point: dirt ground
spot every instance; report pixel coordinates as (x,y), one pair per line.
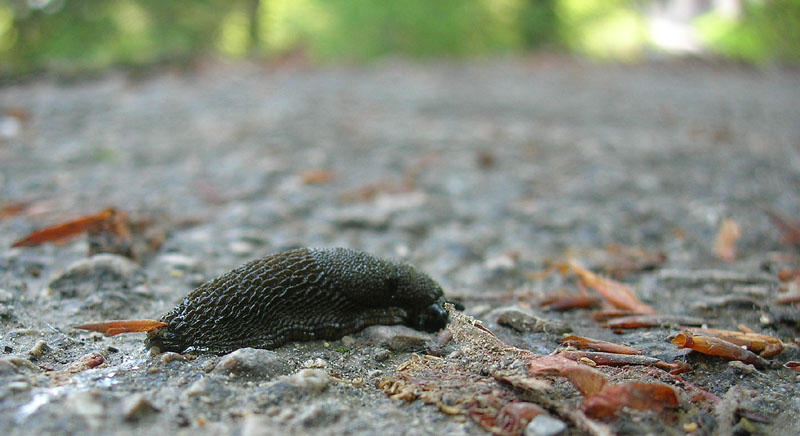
(482,174)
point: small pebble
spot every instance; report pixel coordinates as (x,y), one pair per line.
(39,349)
(525,323)
(383,355)
(88,276)
(397,337)
(545,425)
(136,407)
(169,356)
(310,380)
(315,363)
(10,364)
(252,363)
(259,425)
(743,367)
(18,386)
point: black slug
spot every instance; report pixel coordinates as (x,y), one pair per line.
(300,295)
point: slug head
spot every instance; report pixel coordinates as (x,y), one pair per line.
(165,339)
(413,290)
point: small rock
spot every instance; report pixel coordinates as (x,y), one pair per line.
(252,363)
(100,272)
(743,367)
(170,356)
(545,425)
(382,356)
(18,386)
(39,349)
(179,262)
(88,405)
(310,380)
(525,323)
(320,415)
(137,407)
(397,337)
(315,363)
(260,425)
(9,364)
(5,296)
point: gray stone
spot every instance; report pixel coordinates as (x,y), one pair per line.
(10,364)
(251,363)
(260,425)
(136,407)
(87,276)
(545,425)
(526,323)
(310,380)
(397,337)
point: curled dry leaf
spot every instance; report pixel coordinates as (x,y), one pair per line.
(586,380)
(87,361)
(793,365)
(561,302)
(60,232)
(618,294)
(790,229)
(597,345)
(112,328)
(766,346)
(625,260)
(638,321)
(718,347)
(317,176)
(727,236)
(639,396)
(788,298)
(611,359)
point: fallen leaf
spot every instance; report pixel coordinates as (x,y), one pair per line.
(655,320)
(727,236)
(618,294)
(788,298)
(639,396)
(586,380)
(718,347)
(65,230)
(582,343)
(790,229)
(766,346)
(562,302)
(112,328)
(317,176)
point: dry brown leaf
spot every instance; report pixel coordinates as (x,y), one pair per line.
(766,346)
(640,396)
(718,347)
(60,232)
(618,294)
(317,176)
(790,229)
(727,236)
(112,328)
(597,345)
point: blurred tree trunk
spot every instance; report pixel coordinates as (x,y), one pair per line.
(538,23)
(255,24)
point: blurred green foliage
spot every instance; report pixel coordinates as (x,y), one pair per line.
(85,35)
(768,30)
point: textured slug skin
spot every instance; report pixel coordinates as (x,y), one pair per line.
(300,295)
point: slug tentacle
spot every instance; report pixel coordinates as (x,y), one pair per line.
(300,295)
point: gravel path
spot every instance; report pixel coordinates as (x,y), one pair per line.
(479,173)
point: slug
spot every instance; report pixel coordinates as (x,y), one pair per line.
(298,295)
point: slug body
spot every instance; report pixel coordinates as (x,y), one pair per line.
(300,295)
